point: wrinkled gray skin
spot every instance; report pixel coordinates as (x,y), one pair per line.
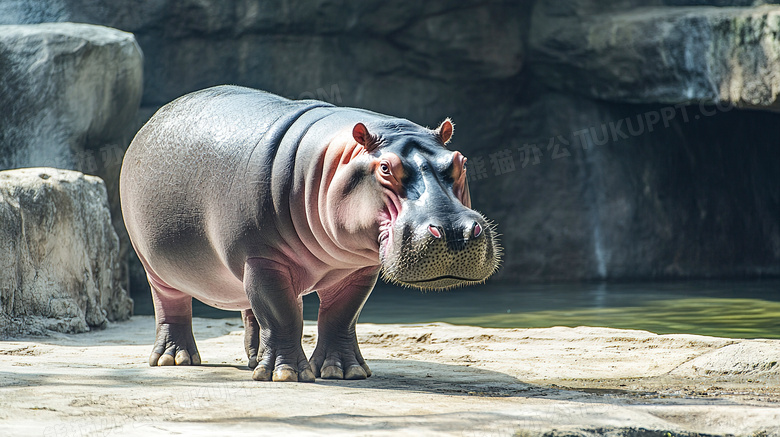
(247,201)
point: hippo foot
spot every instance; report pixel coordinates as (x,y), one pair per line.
(283,367)
(339,360)
(175,345)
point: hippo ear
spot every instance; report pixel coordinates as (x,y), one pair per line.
(444,131)
(361,134)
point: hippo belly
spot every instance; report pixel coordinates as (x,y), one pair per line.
(170,191)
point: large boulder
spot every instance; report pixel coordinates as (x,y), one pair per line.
(59,255)
(69,93)
(661,54)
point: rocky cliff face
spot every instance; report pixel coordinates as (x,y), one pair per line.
(670,174)
(617,139)
(607,190)
(662,54)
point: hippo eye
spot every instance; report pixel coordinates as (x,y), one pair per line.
(384,168)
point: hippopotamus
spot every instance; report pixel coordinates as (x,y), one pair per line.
(247,201)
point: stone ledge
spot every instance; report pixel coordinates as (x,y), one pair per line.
(433,379)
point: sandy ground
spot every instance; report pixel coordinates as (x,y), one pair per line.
(432,379)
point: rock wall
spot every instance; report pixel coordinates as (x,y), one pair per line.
(601,190)
(547,97)
(669,174)
(59,255)
(662,54)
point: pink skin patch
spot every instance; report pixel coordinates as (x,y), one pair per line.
(477,230)
(389,172)
(435,232)
(390,213)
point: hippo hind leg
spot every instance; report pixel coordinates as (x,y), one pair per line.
(174,343)
(337,355)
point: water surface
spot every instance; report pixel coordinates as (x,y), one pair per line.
(737,309)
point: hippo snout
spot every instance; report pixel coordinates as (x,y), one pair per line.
(440,255)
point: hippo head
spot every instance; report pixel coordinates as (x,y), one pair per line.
(429,237)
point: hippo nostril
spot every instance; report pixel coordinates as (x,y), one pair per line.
(434,231)
(476,231)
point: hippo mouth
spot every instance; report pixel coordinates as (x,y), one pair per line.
(444,282)
(444,278)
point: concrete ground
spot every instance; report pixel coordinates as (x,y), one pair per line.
(432,380)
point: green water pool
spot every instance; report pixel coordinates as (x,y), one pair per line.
(736,309)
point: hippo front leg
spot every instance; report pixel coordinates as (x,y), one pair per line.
(278,311)
(337,355)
